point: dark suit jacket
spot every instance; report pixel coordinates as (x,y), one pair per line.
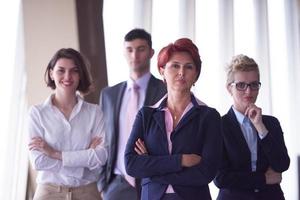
(110,103)
(235,177)
(198,132)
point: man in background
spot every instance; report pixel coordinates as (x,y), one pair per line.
(119,104)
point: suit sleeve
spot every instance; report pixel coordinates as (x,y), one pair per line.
(205,171)
(142,166)
(101,182)
(274,147)
(227,177)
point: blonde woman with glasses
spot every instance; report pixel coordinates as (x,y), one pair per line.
(254,152)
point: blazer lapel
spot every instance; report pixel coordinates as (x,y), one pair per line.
(117,106)
(189,115)
(154,92)
(186,118)
(237,133)
(159,119)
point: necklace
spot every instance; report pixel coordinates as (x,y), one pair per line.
(175,117)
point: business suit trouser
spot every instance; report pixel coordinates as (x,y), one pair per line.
(226,194)
(118,189)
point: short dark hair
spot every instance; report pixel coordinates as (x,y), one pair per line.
(80,62)
(180,45)
(138,33)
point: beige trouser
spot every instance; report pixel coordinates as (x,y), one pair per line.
(51,192)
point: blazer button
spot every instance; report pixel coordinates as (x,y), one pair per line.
(256,190)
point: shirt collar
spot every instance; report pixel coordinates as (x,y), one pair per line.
(239,116)
(48,102)
(142,82)
(162,103)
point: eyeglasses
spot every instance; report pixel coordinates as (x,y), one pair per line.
(242,86)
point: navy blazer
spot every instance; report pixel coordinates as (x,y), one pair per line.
(235,177)
(198,132)
(110,103)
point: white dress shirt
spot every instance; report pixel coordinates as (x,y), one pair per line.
(79,165)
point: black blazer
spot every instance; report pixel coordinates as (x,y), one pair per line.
(110,103)
(235,177)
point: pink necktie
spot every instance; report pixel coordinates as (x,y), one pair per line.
(133,106)
(132,110)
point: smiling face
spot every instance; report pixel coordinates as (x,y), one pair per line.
(179,72)
(65,75)
(242,99)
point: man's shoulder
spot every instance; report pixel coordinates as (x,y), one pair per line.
(155,80)
(158,84)
(115,88)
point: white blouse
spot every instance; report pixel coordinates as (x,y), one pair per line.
(79,165)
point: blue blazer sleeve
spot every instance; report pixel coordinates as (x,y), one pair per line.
(166,169)
(205,171)
(142,166)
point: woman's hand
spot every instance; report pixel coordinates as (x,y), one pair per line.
(255,115)
(190,160)
(95,142)
(140,147)
(272,177)
(38,144)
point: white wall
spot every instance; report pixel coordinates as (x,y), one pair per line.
(49,26)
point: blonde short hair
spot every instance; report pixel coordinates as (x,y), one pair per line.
(240,63)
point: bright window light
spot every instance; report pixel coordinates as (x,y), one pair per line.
(118,20)
(207,34)
(244,29)
(165,12)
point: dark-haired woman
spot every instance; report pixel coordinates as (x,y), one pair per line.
(66,133)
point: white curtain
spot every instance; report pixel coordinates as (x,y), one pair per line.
(13,153)
(267,30)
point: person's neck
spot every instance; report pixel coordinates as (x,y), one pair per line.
(64,102)
(136,75)
(178,101)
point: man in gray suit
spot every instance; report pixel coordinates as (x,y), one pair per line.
(114,183)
